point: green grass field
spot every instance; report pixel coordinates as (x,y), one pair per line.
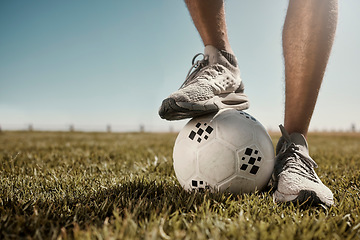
(122,186)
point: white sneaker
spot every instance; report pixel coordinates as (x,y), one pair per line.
(214,84)
(294,176)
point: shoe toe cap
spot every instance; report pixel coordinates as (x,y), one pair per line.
(292,187)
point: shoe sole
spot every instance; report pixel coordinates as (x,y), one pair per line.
(305,197)
(172,110)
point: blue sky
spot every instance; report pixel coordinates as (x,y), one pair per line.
(92,63)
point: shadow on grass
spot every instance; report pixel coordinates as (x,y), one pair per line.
(46,216)
(142,199)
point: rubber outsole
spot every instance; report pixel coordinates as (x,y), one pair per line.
(305,198)
(169,110)
(308,198)
(172,110)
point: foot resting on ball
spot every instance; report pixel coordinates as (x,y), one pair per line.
(295,179)
(213,83)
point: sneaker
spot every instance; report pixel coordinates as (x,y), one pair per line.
(294,177)
(213,83)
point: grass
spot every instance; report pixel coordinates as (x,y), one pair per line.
(57,185)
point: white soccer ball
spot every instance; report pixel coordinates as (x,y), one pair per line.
(227,151)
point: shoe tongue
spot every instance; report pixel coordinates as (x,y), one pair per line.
(300,141)
(213,53)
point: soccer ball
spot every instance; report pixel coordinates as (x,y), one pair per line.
(228,151)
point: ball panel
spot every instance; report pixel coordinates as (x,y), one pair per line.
(198,131)
(199,183)
(267,167)
(248,117)
(216,161)
(250,161)
(264,142)
(184,156)
(237,185)
(266,148)
(235,129)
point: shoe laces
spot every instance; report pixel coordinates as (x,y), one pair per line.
(208,72)
(195,68)
(294,160)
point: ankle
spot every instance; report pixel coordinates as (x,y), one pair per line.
(230,57)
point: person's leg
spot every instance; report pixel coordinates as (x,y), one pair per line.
(214,82)
(209,20)
(308,36)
